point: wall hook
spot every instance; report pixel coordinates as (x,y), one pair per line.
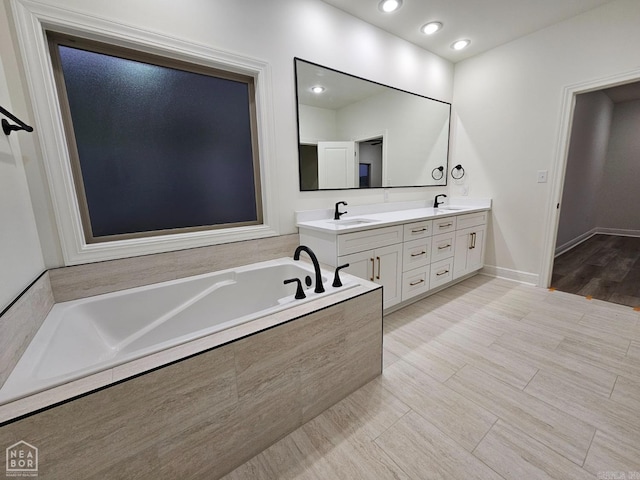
(7,127)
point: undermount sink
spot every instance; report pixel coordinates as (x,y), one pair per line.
(449,209)
(348,222)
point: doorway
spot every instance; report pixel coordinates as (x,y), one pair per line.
(596,249)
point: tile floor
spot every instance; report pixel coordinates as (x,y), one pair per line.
(607,267)
(488,379)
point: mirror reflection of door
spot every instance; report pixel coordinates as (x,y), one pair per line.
(337,165)
(370,155)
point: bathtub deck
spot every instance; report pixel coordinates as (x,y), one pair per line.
(202,416)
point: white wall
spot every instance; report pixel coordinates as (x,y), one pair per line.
(585,166)
(20,256)
(619,195)
(508,104)
(275,31)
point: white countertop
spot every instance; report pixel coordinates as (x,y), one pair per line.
(366,217)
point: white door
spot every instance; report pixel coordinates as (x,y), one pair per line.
(388,273)
(337,165)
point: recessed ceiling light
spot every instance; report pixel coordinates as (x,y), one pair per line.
(460,44)
(388,6)
(317,89)
(431,28)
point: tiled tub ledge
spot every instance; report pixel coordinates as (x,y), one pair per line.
(202,408)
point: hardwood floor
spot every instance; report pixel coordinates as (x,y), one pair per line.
(488,379)
(606,267)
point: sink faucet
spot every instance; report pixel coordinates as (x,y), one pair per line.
(436,202)
(337,214)
(316,266)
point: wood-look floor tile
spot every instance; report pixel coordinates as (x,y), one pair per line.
(506,367)
(610,454)
(388,357)
(607,358)
(603,413)
(554,427)
(424,451)
(624,324)
(634,350)
(627,392)
(570,368)
(422,355)
(515,455)
(463,420)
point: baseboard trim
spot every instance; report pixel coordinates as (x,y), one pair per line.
(509,274)
(594,231)
(565,247)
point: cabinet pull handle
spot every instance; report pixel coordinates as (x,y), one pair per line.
(373,269)
(442,247)
(474,240)
(418,230)
(471,241)
(444,225)
(418,254)
(378,277)
(442,273)
(413,284)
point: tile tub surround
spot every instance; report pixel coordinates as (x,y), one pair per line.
(21,321)
(79,281)
(205,415)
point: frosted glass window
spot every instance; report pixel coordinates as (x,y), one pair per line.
(156,145)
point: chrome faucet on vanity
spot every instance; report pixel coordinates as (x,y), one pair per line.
(316,266)
(436,202)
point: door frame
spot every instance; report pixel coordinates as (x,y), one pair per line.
(559,165)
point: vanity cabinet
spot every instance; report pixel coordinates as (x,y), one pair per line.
(408,259)
(382,266)
(470,244)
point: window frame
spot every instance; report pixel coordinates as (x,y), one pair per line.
(55,39)
(61,228)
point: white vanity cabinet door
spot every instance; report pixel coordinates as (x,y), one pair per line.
(442,246)
(469,250)
(382,266)
(444,225)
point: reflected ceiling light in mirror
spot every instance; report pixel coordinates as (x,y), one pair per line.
(389,6)
(460,44)
(317,89)
(431,28)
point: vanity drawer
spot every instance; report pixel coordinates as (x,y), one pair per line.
(415,282)
(441,273)
(444,225)
(442,246)
(416,253)
(471,220)
(369,239)
(418,230)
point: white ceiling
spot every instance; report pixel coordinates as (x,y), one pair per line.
(487,23)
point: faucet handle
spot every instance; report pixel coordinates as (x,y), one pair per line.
(336,277)
(299,291)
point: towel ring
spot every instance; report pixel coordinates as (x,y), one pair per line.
(457,167)
(438,169)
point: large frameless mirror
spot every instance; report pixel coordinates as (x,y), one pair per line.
(355,133)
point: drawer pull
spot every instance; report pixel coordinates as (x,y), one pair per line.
(413,284)
(418,230)
(444,225)
(442,273)
(373,268)
(378,277)
(442,247)
(418,254)
(472,238)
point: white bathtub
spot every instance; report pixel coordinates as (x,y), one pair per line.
(86,336)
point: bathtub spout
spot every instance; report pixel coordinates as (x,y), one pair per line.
(316,266)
